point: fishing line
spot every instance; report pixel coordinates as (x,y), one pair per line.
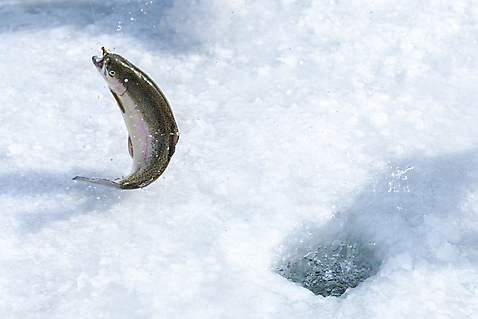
(94,17)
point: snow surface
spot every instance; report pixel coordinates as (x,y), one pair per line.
(302,124)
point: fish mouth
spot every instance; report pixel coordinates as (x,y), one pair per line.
(98,62)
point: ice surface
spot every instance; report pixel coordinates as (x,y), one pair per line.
(303,125)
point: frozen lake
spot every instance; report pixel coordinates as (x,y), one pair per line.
(331,142)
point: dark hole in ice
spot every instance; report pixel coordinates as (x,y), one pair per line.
(330,270)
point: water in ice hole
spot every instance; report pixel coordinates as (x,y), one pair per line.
(331,269)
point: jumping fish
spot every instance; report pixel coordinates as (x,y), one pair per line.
(153,132)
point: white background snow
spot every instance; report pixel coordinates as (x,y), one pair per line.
(301,122)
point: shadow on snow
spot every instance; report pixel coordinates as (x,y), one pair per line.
(413,206)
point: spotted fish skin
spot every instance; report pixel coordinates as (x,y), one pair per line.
(153,132)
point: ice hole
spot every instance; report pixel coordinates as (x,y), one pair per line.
(329,270)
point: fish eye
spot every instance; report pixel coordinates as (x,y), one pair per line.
(112,73)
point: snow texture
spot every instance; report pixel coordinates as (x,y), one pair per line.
(305,126)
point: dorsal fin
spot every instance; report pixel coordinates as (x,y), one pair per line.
(174,141)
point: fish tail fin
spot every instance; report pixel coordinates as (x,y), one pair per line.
(99,181)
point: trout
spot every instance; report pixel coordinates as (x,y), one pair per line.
(152,130)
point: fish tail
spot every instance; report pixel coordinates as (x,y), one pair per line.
(99,181)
